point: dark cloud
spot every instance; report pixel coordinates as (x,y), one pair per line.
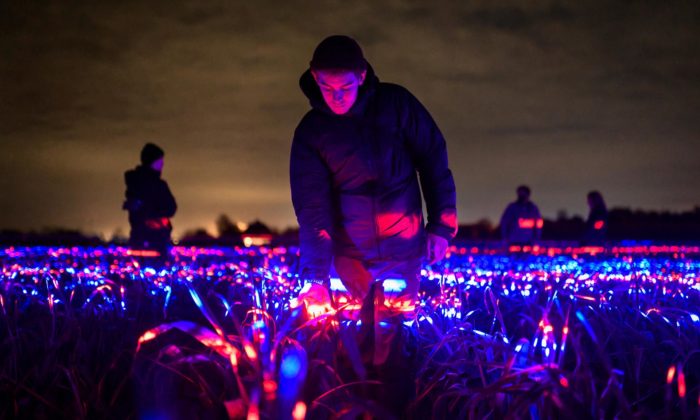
(566,96)
(515,18)
(557,129)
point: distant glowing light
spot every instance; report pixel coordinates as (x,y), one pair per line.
(526,223)
(147,336)
(291,366)
(670,374)
(299,412)
(394,285)
(269,386)
(143,253)
(250,351)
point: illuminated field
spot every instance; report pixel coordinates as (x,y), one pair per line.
(559,331)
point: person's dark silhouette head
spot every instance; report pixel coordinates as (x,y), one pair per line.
(339,68)
(595,200)
(152,156)
(523,193)
(337,53)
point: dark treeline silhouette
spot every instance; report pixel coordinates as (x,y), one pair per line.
(228,234)
(624,224)
(198,237)
(49,237)
(629,224)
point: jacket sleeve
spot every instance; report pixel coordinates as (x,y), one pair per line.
(310,182)
(429,154)
(538,227)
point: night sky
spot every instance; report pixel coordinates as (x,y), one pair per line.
(564,96)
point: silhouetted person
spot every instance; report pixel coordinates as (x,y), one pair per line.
(597,222)
(149,202)
(354,163)
(521,223)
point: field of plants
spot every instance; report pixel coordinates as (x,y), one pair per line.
(217,333)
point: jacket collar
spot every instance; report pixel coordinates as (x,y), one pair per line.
(148,171)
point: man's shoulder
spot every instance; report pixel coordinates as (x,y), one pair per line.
(396,97)
(131,175)
(310,116)
(308,124)
(394,90)
(141,176)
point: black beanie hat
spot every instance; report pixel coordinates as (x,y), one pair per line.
(338,52)
(151,153)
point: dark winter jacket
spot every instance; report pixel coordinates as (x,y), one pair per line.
(596,226)
(151,205)
(521,223)
(354,179)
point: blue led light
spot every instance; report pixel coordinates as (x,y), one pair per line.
(291,366)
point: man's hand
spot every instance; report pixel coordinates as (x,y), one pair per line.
(437,247)
(316,299)
(160,223)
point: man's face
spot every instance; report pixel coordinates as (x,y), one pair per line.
(339,88)
(157,165)
(523,194)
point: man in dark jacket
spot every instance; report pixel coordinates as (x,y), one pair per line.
(597,222)
(521,222)
(355,161)
(149,202)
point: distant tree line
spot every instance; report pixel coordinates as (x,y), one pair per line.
(229,234)
(623,224)
(49,237)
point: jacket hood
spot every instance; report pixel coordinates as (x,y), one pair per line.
(313,93)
